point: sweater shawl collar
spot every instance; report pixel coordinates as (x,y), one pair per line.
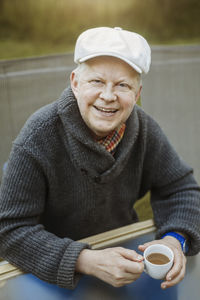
(86,154)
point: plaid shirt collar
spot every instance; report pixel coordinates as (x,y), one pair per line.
(111,141)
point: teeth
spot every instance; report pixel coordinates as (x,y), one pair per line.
(106,109)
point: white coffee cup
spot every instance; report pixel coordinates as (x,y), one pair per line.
(153,269)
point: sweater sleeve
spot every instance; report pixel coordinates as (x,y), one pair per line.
(24,242)
(175,195)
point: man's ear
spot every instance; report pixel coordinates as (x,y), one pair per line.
(74,83)
(138,94)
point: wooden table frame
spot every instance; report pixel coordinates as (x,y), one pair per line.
(99,241)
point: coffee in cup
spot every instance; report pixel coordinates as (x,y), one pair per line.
(158,260)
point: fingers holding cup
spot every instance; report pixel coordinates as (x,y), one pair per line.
(177,272)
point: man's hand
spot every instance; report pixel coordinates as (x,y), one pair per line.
(116,266)
(177,272)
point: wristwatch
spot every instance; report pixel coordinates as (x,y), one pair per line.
(183,241)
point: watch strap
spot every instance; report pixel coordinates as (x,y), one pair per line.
(180,238)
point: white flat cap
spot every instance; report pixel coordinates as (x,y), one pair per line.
(105,41)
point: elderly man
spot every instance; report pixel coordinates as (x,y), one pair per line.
(80,163)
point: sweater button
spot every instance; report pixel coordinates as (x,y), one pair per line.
(84,171)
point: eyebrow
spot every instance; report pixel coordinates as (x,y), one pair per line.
(123,79)
(95,74)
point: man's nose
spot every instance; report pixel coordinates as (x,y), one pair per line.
(108,93)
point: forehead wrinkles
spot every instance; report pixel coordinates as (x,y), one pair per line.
(114,73)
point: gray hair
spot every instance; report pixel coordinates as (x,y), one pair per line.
(79,69)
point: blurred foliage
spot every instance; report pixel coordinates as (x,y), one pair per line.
(56,23)
(167,20)
(143,208)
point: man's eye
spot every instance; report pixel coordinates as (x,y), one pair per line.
(96,81)
(123,85)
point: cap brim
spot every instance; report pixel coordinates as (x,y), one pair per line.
(135,67)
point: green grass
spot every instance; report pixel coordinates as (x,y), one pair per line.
(10,49)
(34,28)
(177,41)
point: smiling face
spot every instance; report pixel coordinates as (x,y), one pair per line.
(106,89)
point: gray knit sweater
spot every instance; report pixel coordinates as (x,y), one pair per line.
(61,186)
